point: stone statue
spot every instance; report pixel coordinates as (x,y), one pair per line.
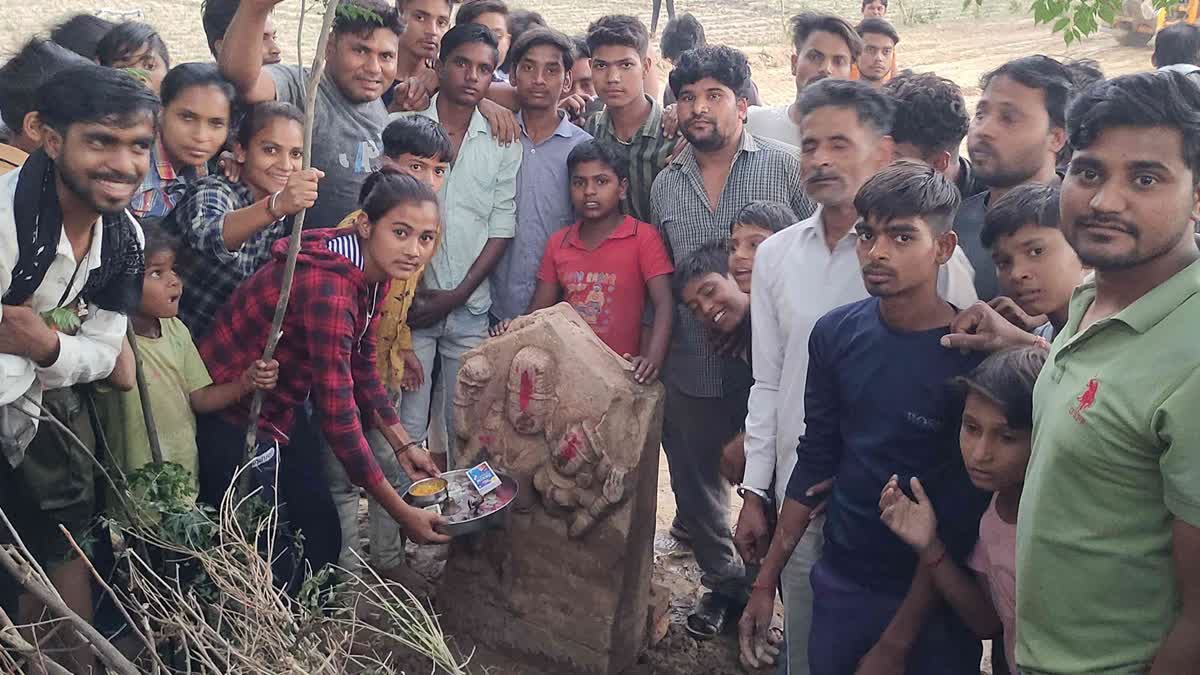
(473,377)
(555,409)
(580,483)
(532,380)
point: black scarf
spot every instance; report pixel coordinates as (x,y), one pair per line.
(115,286)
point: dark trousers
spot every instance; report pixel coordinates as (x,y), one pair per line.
(694,431)
(306,507)
(848,619)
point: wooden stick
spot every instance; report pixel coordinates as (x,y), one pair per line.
(51,600)
(12,639)
(289,270)
(144,396)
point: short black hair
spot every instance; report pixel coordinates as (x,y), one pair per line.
(187,75)
(1143,100)
(158,238)
(597,151)
(682,33)
(875,109)
(261,114)
(930,112)
(879,27)
(1175,44)
(1007,378)
(1026,204)
(351,18)
(128,38)
(908,189)
(20,78)
(416,135)
(543,36)
(520,21)
(1083,73)
(90,93)
(769,215)
(1050,76)
(621,30)
(711,258)
(467,33)
(867,2)
(471,10)
(582,50)
(384,190)
(81,33)
(724,64)
(805,24)
(216,15)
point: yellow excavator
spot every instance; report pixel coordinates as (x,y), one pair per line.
(1139,21)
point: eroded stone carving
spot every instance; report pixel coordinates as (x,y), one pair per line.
(532,381)
(580,482)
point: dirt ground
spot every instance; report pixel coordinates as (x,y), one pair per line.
(959,48)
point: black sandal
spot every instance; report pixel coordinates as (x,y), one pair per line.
(707,620)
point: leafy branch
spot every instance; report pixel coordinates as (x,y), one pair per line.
(1076,19)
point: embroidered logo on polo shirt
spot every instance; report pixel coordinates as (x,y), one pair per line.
(1085,400)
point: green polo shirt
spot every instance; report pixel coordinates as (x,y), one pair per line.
(1116,457)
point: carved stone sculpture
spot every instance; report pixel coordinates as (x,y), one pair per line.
(579,483)
(568,581)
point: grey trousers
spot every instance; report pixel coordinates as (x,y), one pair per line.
(383,533)
(694,431)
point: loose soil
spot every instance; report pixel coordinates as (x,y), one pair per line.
(961,49)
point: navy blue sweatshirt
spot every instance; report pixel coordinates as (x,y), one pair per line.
(879,402)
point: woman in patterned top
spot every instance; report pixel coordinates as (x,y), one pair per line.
(228,227)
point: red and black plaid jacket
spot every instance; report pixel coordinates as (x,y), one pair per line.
(327,350)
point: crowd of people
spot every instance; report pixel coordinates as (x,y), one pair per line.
(952,390)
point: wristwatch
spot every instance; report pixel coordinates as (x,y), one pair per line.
(743,489)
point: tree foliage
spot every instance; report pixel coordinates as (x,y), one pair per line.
(1076,19)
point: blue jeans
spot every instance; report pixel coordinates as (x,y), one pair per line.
(428,413)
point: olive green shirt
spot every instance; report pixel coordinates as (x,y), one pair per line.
(1116,458)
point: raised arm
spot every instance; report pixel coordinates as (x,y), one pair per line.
(241,53)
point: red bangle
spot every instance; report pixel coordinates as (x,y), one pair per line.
(940,558)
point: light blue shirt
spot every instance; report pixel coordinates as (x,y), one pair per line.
(478,203)
(543,207)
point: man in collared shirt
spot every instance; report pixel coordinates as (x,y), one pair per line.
(541,60)
(694,201)
(631,119)
(449,315)
(799,275)
(1108,535)
(826,47)
(97,128)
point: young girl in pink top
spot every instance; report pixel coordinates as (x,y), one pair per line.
(997,423)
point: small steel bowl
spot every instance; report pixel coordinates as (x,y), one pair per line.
(421,501)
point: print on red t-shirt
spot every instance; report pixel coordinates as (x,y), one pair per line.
(607,285)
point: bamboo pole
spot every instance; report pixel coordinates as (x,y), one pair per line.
(144,396)
(289,270)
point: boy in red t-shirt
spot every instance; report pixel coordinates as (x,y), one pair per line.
(605,263)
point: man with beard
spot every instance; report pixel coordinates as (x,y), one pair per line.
(826,46)
(1015,137)
(67,247)
(350,116)
(876,404)
(693,201)
(877,63)
(1115,425)
(799,275)
(449,314)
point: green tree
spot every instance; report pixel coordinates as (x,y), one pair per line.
(1076,19)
